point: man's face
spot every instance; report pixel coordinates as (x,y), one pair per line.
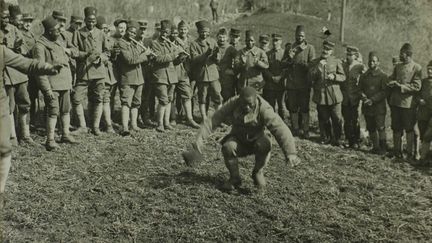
(204,33)
(17,21)
(277,44)
(250,42)
(90,22)
(183,31)
(350,57)
(300,37)
(174,34)
(4,19)
(222,39)
(105,29)
(121,28)
(54,33)
(373,63)
(141,33)
(131,33)
(404,57)
(235,39)
(62,24)
(27,24)
(248,104)
(264,45)
(326,53)
(76,25)
(429,72)
(165,33)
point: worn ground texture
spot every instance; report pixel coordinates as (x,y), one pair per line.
(137,189)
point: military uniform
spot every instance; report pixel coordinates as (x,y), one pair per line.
(248,136)
(327,95)
(226,57)
(407,76)
(274,88)
(351,101)
(56,88)
(298,85)
(250,64)
(91,71)
(372,85)
(424,112)
(206,71)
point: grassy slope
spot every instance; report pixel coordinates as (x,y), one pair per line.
(115,189)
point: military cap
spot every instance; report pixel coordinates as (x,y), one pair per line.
(100,21)
(27,16)
(299,29)
(143,24)
(248,34)
(157,25)
(182,24)
(49,23)
(202,24)
(14,10)
(59,15)
(223,31)
(88,11)
(429,64)
(76,19)
(276,36)
(352,50)
(119,21)
(373,54)
(133,24)
(325,31)
(407,48)
(328,45)
(235,32)
(165,24)
(174,29)
(264,38)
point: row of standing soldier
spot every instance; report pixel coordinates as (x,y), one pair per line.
(170,65)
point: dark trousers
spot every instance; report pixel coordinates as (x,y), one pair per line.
(147,108)
(330,121)
(215,15)
(274,97)
(351,123)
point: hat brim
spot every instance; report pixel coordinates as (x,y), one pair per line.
(60,17)
(28,19)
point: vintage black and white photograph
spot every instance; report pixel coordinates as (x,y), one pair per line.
(215,121)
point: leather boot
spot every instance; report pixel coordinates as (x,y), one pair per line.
(51,144)
(125,112)
(97,115)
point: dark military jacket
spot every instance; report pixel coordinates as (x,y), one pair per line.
(249,127)
(408,75)
(250,64)
(29,42)
(53,53)
(298,66)
(205,67)
(129,63)
(226,57)
(373,85)
(91,65)
(424,111)
(325,91)
(14,40)
(163,69)
(273,79)
(183,68)
(350,88)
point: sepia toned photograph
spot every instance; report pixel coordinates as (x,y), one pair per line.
(215,121)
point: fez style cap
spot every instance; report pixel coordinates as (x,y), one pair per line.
(165,24)
(202,24)
(89,11)
(299,29)
(49,23)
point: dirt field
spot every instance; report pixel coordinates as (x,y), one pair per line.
(136,189)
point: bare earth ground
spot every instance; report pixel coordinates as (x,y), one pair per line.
(136,189)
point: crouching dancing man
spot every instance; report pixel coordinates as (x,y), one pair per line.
(249,115)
